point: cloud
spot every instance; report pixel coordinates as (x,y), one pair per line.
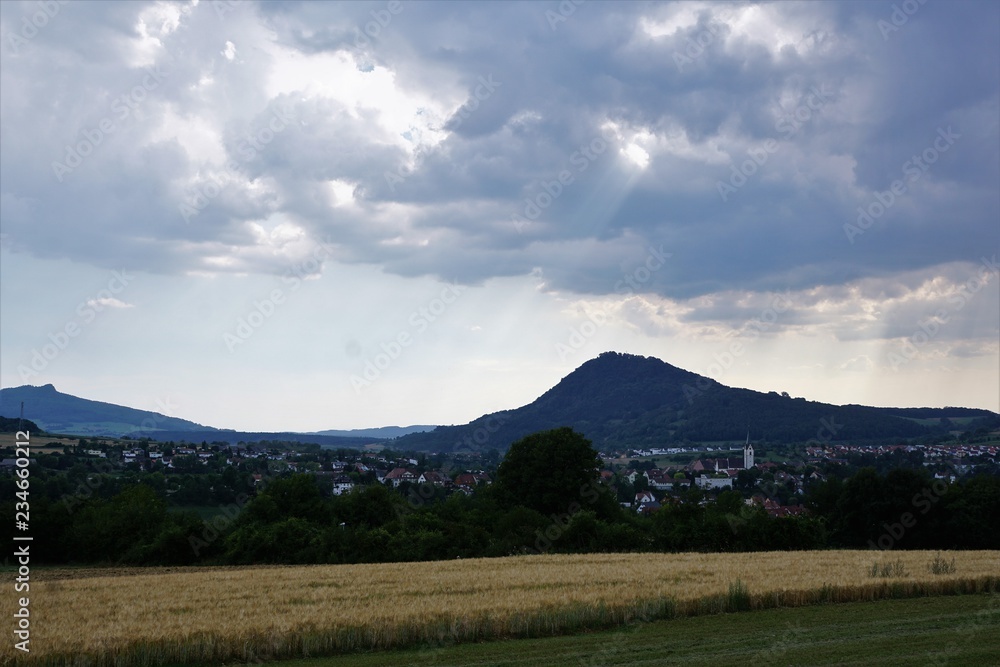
(414,144)
(108,302)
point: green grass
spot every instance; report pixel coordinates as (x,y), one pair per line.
(949,630)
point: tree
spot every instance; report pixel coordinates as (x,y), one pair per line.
(549,472)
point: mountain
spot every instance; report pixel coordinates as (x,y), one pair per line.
(623,400)
(56,412)
(62,413)
(616,400)
(383,432)
(233,437)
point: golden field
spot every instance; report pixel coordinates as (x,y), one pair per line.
(148,617)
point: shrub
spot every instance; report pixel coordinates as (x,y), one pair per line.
(888,569)
(941,566)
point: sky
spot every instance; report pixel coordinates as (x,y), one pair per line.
(305,216)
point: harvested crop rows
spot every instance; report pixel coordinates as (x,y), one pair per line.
(246,614)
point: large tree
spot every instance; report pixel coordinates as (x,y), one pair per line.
(551,472)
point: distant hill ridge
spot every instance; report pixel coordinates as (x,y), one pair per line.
(63,413)
(616,400)
(625,400)
(380,432)
(56,412)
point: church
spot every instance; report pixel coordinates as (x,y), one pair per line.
(748,454)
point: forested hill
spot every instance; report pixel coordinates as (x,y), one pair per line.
(57,412)
(628,400)
(11,424)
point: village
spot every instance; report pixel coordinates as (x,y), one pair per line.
(644,479)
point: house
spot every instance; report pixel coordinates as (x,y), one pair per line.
(649,508)
(659,479)
(434,477)
(342,484)
(644,497)
(782,511)
(471,480)
(645,503)
(725,464)
(397,476)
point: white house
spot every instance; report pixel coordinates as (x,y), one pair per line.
(342,484)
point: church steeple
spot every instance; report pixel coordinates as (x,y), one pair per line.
(748,453)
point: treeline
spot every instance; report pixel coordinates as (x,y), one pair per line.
(907,509)
(294,520)
(11,424)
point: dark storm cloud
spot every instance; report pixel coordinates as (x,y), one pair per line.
(834,116)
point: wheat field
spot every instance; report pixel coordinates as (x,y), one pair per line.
(153,617)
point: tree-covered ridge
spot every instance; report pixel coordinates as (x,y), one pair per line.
(623,400)
(616,400)
(11,424)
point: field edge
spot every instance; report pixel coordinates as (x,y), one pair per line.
(450,629)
